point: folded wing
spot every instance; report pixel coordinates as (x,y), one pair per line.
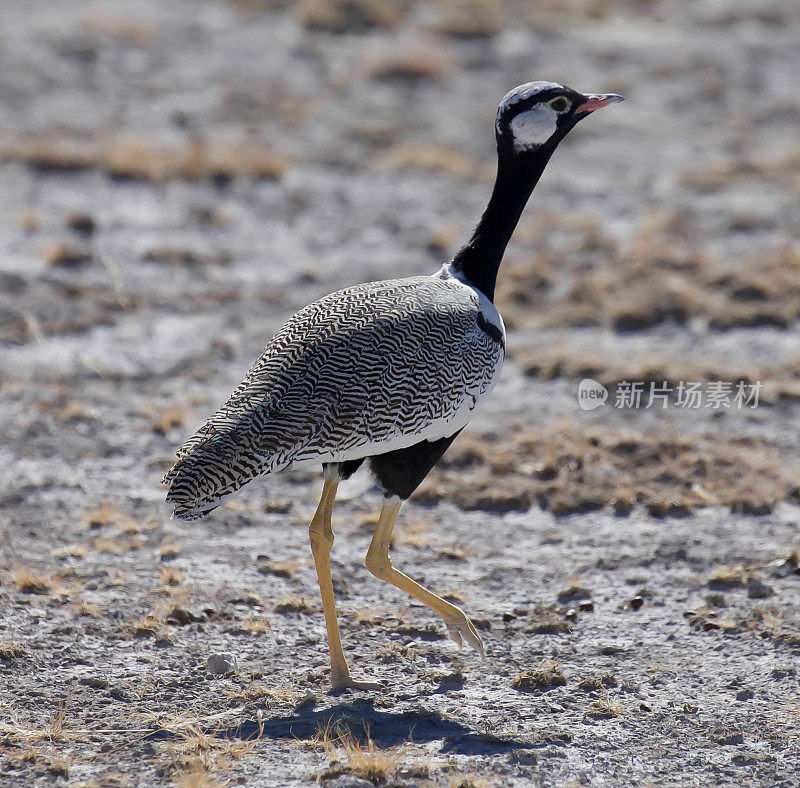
(363,371)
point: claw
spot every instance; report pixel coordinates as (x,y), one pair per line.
(459,628)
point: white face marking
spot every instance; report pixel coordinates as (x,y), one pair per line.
(533,128)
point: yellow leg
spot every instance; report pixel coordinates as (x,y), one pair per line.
(379,563)
(321,536)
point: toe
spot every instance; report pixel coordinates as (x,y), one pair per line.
(460,628)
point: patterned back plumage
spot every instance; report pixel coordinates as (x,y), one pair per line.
(356,373)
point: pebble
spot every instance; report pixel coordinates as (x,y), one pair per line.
(222,663)
(758,590)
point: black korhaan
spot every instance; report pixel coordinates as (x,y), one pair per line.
(388,372)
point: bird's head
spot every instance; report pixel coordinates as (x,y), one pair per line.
(538,115)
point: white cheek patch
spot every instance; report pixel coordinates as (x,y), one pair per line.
(533,128)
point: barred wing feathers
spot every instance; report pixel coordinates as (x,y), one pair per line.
(366,370)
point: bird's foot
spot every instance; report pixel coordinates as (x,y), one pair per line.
(460,628)
(341,682)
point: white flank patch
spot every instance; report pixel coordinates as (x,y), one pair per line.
(534,127)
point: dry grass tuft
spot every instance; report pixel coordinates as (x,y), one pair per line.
(148,160)
(286,569)
(11,652)
(296,604)
(255,625)
(19,734)
(198,759)
(597,683)
(162,420)
(172,575)
(545,675)
(664,275)
(604,708)
(570,468)
(29,581)
(104,514)
(350,756)
(89,609)
(70,551)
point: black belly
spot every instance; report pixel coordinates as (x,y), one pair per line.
(400,472)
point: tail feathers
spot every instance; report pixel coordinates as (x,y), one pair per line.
(195,489)
(200,480)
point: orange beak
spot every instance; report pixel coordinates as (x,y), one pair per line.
(598,101)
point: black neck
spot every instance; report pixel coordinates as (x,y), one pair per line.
(517,175)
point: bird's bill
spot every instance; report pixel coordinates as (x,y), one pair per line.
(598,101)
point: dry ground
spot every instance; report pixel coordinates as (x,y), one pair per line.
(179,177)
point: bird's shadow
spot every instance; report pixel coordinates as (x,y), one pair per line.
(384,728)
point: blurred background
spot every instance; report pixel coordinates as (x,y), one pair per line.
(179,177)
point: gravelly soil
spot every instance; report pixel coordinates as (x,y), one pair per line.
(179,177)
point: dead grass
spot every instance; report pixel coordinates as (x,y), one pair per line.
(11,652)
(105,513)
(29,581)
(162,420)
(597,683)
(570,468)
(16,732)
(89,609)
(605,708)
(349,755)
(172,575)
(70,551)
(255,625)
(296,604)
(546,675)
(149,160)
(199,759)
(663,275)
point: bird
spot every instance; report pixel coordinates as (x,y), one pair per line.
(385,372)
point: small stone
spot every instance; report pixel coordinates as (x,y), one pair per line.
(744,694)
(222,663)
(586,607)
(636,603)
(758,590)
(95,682)
(574,594)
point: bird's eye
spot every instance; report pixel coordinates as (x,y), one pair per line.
(559,104)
